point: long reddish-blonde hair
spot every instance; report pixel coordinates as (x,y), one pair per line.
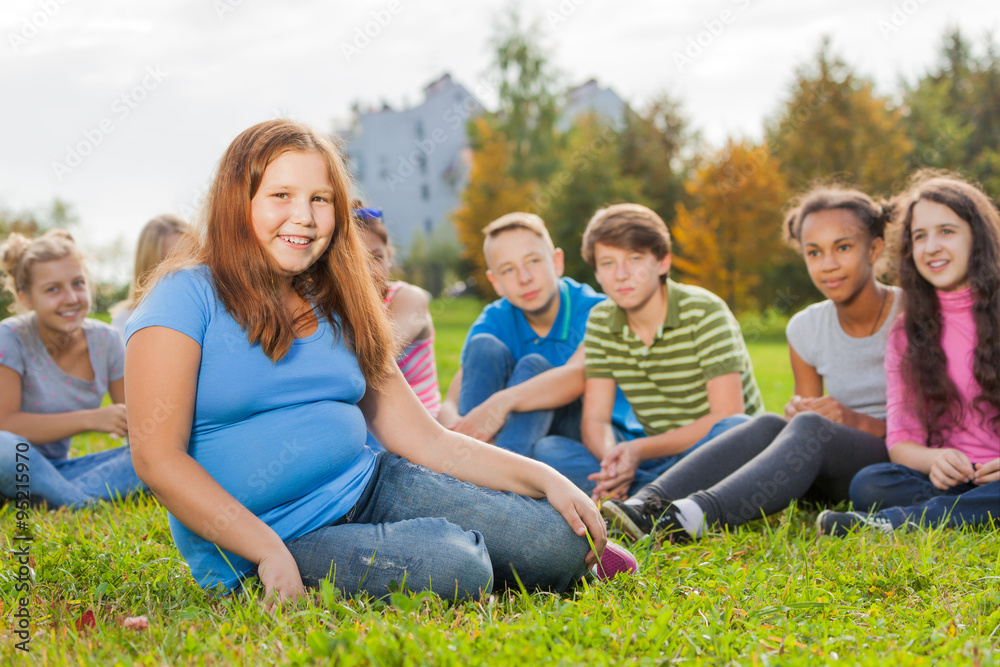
(338,284)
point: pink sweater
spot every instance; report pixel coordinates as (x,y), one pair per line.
(972,435)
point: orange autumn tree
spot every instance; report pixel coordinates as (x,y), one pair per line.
(489,193)
(729,240)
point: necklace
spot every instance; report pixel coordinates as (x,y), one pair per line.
(885,294)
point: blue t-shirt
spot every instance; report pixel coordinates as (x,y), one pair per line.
(508,323)
(286,439)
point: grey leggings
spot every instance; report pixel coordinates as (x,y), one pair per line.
(759,467)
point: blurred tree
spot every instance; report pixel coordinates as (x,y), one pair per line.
(731,232)
(433,262)
(489,193)
(528,106)
(652,148)
(590,177)
(834,124)
(952,113)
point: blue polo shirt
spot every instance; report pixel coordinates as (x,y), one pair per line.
(508,324)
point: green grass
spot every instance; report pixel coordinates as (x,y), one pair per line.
(770,593)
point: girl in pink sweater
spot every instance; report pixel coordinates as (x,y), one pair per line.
(942,369)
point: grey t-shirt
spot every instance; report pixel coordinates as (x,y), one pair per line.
(46,388)
(852,368)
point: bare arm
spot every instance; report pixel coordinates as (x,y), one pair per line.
(45,428)
(551,389)
(946,467)
(411,315)
(618,467)
(400,423)
(809,398)
(448,414)
(598,407)
(161,369)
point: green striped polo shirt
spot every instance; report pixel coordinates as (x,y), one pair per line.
(666,382)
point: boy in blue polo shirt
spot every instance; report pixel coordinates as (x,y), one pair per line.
(522,366)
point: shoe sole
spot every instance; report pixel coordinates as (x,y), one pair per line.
(621,521)
(616,560)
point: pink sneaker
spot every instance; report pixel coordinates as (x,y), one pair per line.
(615,560)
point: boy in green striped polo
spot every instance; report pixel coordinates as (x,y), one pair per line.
(675,350)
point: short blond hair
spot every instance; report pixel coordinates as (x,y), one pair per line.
(19,253)
(517,220)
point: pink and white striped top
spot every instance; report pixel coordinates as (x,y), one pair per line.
(418,364)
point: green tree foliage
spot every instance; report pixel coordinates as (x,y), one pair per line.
(489,193)
(433,262)
(833,124)
(589,177)
(952,114)
(652,149)
(731,232)
(528,106)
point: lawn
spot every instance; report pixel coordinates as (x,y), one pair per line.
(770,593)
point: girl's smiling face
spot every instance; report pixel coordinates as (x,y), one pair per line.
(292,211)
(59,295)
(838,252)
(942,245)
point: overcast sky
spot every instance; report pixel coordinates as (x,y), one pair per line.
(154,91)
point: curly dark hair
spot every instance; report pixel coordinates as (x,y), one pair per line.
(872,215)
(925,365)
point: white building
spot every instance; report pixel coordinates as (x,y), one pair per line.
(413,163)
(590,98)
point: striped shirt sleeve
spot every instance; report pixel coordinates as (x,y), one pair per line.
(597,364)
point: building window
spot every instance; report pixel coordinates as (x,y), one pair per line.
(420,129)
(422,163)
(425,192)
(428,225)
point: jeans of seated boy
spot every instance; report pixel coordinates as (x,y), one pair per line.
(576,462)
(72,482)
(489,367)
(904,494)
(437,533)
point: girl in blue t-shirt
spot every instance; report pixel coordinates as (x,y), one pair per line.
(257,364)
(55,367)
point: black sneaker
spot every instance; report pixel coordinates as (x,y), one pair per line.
(841,524)
(656,515)
(666,522)
(629,519)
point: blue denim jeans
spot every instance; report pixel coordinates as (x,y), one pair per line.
(905,494)
(489,367)
(71,483)
(576,462)
(429,531)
